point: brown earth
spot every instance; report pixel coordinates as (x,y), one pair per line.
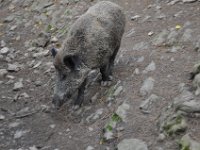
(66,130)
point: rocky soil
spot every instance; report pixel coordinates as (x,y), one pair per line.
(152,104)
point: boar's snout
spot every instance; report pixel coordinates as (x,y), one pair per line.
(58,101)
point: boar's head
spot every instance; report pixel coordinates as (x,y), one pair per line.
(70,75)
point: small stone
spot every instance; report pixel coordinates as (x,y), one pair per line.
(24,95)
(137,71)
(37,65)
(3,43)
(141,46)
(33,148)
(54,39)
(147,86)
(150,67)
(187,35)
(140,59)
(161,137)
(135,17)
(150,33)
(187,142)
(122,111)
(38,83)
(9,19)
(189,1)
(132,144)
(19,133)
(41,54)
(52,126)
(3,73)
(161,38)
(18,86)
(4,51)
(108,135)
(14,124)
(118,91)
(90,129)
(148,102)
(2,117)
(13,68)
(89,148)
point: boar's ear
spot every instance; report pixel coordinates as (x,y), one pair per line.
(53,52)
(72,61)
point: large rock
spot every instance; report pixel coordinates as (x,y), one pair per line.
(187,143)
(132,144)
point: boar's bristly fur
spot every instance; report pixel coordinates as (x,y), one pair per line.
(92,43)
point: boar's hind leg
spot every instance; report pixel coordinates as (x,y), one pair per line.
(80,97)
(107,69)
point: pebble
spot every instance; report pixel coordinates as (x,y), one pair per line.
(132,144)
(2,117)
(3,73)
(19,133)
(147,86)
(89,148)
(18,86)
(118,91)
(13,68)
(4,51)
(122,111)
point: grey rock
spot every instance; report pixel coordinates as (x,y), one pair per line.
(161,38)
(108,135)
(9,19)
(174,49)
(147,86)
(137,71)
(118,91)
(19,133)
(37,64)
(2,117)
(172,38)
(161,137)
(197,44)
(95,115)
(183,97)
(130,33)
(4,51)
(132,144)
(145,105)
(187,142)
(13,67)
(140,59)
(196,84)
(192,106)
(173,2)
(18,86)
(3,43)
(141,46)
(122,111)
(41,54)
(187,35)
(38,83)
(3,73)
(89,148)
(136,17)
(150,67)
(189,1)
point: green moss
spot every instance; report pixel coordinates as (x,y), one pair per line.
(175,125)
(109,127)
(116,118)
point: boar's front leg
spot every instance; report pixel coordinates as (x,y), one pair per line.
(80,97)
(107,69)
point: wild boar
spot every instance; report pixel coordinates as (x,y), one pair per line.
(92,43)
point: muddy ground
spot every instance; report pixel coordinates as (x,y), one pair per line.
(27,75)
